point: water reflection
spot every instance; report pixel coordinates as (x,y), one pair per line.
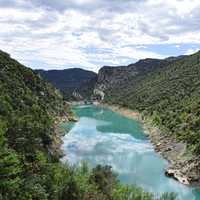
(104,137)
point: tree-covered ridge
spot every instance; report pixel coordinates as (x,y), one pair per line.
(170,96)
(71,80)
(28,106)
(28,168)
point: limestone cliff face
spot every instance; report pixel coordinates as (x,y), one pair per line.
(77,96)
(99,93)
(115,77)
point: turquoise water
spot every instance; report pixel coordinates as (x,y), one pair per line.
(104,137)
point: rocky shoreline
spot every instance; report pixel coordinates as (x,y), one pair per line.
(55,148)
(183,166)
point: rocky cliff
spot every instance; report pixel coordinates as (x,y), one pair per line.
(110,77)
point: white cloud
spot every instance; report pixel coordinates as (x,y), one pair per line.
(191,51)
(136,53)
(76,33)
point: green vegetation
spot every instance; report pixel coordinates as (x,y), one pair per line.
(71,80)
(29,170)
(28,106)
(170,96)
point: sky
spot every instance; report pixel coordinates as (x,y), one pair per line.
(60,34)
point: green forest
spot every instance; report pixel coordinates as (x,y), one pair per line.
(169,96)
(29,168)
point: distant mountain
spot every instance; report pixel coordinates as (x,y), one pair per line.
(73,83)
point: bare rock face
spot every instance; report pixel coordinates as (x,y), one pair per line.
(177,175)
(100,93)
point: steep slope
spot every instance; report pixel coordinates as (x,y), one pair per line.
(28,106)
(71,80)
(170,97)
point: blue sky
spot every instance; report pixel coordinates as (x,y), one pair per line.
(59,34)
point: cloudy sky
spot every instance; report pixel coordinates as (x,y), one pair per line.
(57,34)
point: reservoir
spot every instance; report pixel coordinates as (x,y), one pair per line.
(102,136)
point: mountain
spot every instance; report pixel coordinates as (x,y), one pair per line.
(168,94)
(122,76)
(71,82)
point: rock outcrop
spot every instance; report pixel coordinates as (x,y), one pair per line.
(177,175)
(183,167)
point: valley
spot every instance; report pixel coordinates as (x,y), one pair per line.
(165,93)
(161,98)
(31,114)
(99,100)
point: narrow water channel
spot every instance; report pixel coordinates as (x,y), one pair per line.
(105,137)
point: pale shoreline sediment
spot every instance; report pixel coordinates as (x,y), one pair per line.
(182,166)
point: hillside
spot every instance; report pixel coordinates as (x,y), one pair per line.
(170,97)
(28,106)
(117,77)
(71,80)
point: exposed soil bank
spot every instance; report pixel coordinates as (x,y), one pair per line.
(183,167)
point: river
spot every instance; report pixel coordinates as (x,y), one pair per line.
(105,137)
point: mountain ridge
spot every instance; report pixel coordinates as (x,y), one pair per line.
(111,77)
(69,81)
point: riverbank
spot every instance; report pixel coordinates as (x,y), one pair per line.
(55,148)
(183,166)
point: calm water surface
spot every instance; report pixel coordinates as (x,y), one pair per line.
(104,137)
